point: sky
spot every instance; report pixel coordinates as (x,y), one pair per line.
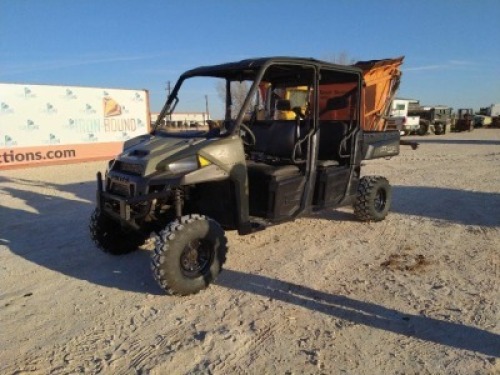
(451,47)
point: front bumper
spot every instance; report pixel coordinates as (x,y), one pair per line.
(124,208)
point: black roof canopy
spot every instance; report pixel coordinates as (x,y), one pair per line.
(248,69)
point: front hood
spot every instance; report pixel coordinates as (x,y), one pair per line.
(149,150)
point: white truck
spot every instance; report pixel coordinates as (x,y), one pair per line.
(53,124)
(493,110)
(399,120)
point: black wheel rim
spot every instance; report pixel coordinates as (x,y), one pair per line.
(380,200)
(196,258)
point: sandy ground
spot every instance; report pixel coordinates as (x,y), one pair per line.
(415,294)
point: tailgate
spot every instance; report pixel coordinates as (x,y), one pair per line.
(378,144)
(394,123)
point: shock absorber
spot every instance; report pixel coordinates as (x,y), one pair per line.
(178,195)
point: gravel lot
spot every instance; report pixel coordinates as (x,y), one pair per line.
(415,294)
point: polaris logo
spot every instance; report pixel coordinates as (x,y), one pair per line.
(388,150)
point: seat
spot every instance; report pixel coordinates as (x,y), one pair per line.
(275,181)
(273,149)
(327,163)
(331,136)
(275,171)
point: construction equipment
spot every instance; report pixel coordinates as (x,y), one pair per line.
(464,120)
(433,118)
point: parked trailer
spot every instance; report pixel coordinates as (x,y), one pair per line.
(51,124)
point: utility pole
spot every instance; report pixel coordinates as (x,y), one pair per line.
(206,109)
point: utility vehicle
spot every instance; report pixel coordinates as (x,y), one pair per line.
(251,172)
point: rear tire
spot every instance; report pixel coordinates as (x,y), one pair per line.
(373,199)
(189,254)
(110,237)
(423,128)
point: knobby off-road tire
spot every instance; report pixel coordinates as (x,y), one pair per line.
(373,199)
(189,254)
(439,129)
(109,236)
(423,128)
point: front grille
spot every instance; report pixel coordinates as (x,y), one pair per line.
(121,188)
(135,169)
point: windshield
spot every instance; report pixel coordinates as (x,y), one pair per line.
(211,101)
(200,107)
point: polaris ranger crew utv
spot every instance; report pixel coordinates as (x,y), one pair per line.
(255,170)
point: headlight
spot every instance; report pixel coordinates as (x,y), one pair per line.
(187,164)
(183,165)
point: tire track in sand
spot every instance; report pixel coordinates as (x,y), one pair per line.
(129,343)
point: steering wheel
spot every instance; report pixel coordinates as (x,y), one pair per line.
(298,112)
(247,135)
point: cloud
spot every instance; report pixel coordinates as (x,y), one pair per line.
(425,67)
(71,62)
(449,65)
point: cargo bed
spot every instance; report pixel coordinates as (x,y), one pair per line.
(380,144)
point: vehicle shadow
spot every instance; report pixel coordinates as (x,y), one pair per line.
(51,230)
(483,209)
(421,327)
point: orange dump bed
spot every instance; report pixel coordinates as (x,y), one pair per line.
(382,79)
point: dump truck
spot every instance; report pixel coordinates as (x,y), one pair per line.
(188,188)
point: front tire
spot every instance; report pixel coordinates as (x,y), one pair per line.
(110,237)
(439,129)
(373,199)
(189,254)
